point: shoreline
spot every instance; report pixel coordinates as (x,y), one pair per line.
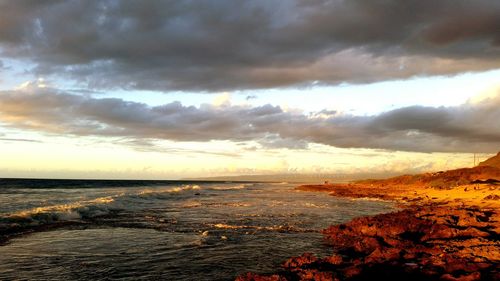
(439,234)
(484,195)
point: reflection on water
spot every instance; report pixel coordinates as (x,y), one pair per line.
(182,232)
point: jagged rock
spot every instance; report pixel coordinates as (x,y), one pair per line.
(335,260)
(296,263)
(470,277)
(418,243)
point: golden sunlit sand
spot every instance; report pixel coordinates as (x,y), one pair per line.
(484,196)
(478,186)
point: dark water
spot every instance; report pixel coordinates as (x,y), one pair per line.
(90,230)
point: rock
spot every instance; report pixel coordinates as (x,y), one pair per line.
(315,275)
(335,260)
(296,263)
(492,197)
(418,243)
(492,162)
(470,277)
(352,271)
(384,254)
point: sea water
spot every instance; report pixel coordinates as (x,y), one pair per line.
(163,230)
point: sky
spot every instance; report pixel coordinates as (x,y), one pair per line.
(178,89)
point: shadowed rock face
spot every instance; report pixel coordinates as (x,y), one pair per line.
(418,243)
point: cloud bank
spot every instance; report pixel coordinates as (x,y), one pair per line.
(471,127)
(235,45)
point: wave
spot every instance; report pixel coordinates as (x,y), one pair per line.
(369,199)
(278,228)
(196,204)
(163,193)
(86,209)
(185,187)
(62,212)
(229,204)
(191,204)
(234,187)
(169,190)
(313,205)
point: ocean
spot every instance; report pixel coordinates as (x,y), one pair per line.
(161,230)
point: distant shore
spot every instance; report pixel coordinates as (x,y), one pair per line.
(448,229)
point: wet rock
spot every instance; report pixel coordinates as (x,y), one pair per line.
(316,275)
(383,254)
(334,260)
(470,277)
(296,263)
(351,271)
(419,243)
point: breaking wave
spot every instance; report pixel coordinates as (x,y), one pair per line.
(77,211)
(69,211)
(233,187)
(163,193)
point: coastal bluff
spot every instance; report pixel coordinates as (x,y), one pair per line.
(492,162)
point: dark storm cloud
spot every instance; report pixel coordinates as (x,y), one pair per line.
(231,45)
(472,127)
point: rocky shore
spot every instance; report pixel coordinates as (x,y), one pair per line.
(448,229)
(433,242)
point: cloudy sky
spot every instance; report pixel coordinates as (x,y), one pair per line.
(172,89)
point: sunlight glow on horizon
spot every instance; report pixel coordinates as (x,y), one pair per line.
(35,154)
(74,160)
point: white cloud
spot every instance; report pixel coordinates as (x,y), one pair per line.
(471,127)
(223,99)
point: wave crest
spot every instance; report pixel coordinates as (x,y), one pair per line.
(233,187)
(63,212)
(86,209)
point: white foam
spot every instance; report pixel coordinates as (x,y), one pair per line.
(65,212)
(267,228)
(312,205)
(160,193)
(234,187)
(89,208)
